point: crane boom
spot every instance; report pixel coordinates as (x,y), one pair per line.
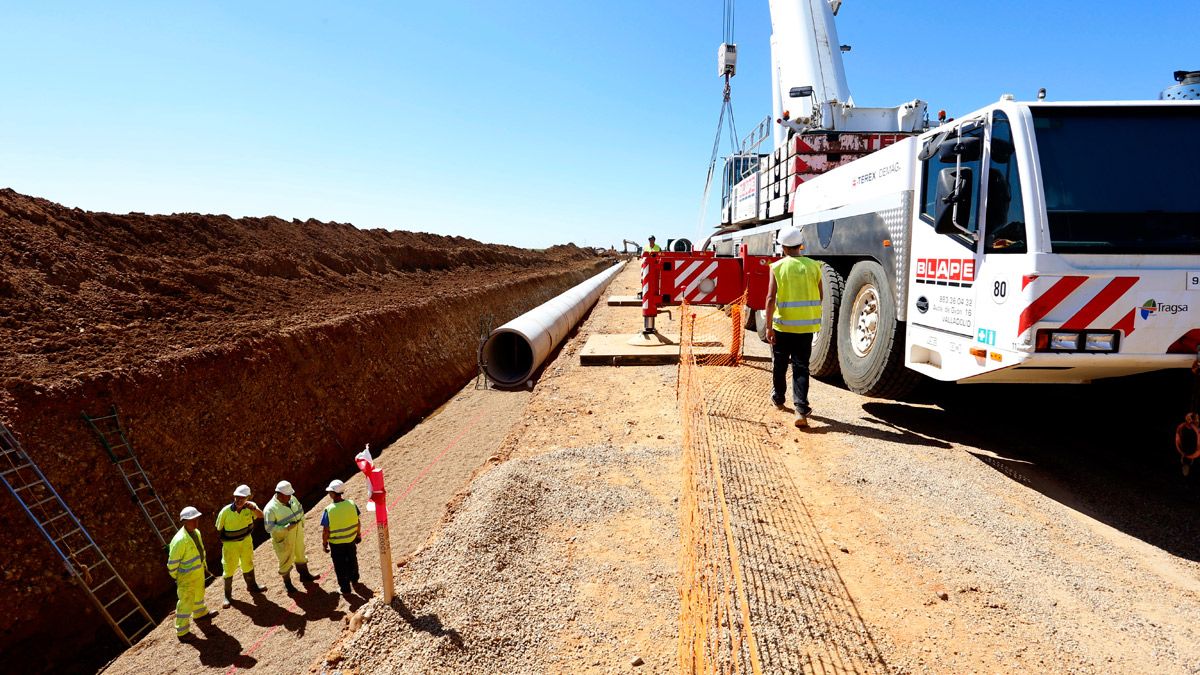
(809,78)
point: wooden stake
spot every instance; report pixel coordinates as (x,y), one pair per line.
(385,564)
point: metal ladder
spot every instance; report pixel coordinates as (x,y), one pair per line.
(85,562)
(112,436)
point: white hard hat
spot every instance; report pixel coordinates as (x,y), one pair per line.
(336,486)
(189,513)
(791,236)
(242,491)
(285,488)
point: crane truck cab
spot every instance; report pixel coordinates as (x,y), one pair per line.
(1024,242)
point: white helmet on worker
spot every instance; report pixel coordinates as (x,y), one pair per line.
(241,491)
(285,488)
(189,512)
(336,485)
(791,236)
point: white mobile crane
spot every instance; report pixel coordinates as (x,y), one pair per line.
(1022,242)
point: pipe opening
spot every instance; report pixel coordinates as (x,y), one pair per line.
(508,358)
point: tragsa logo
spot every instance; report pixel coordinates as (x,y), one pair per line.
(1150,308)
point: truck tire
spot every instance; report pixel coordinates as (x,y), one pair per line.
(870,339)
(761,323)
(824,359)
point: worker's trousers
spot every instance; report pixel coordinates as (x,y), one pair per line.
(345,564)
(189,589)
(289,547)
(794,348)
(235,554)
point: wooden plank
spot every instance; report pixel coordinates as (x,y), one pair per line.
(624,301)
(616,350)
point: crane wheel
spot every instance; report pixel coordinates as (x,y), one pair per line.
(823,362)
(870,339)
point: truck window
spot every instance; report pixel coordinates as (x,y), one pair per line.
(929,180)
(1004,219)
(1121,179)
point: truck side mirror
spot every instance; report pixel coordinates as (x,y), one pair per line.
(953,204)
(966,148)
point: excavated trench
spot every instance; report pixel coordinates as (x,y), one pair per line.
(286,399)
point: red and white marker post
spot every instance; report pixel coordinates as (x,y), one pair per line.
(378,497)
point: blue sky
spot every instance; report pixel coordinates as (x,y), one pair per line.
(519,122)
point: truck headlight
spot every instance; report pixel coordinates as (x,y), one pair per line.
(1101,342)
(1064,341)
(1088,341)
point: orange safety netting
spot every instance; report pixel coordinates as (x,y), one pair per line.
(760,591)
(715,632)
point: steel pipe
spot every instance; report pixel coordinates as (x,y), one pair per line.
(514,351)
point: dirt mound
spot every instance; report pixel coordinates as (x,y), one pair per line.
(238,350)
(83,292)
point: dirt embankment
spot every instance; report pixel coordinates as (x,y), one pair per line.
(237,350)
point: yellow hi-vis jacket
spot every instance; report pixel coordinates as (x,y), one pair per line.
(234,525)
(343,522)
(797,295)
(183,557)
(277,516)
(654,248)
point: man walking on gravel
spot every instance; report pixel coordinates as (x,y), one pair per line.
(284,520)
(186,565)
(234,524)
(340,537)
(794,305)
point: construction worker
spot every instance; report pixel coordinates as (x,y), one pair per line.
(340,535)
(794,304)
(652,247)
(186,564)
(234,523)
(284,520)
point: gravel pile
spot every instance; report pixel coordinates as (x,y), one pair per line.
(499,589)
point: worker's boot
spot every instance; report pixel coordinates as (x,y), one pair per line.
(251,584)
(287,583)
(305,576)
(228,593)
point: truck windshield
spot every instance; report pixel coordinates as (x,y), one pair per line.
(1121,180)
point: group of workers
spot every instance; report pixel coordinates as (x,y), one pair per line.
(794,298)
(283,519)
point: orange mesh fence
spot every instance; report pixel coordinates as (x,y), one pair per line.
(759,588)
(715,633)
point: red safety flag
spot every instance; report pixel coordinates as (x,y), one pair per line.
(364,460)
(376,492)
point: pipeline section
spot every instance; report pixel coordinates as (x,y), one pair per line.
(514,351)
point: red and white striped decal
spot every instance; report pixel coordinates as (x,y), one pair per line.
(1099,304)
(1058,292)
(645,284)
(692,274)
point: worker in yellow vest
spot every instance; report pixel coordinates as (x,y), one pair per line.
(284,519)
(340,535)
(794,304)
(186,565)
(234,524)
(652,247)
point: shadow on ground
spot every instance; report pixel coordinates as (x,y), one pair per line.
(1104,449)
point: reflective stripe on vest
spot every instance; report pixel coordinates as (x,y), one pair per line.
(797,295)
(343,522)
(183,556)
(229,520)
(293,511)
